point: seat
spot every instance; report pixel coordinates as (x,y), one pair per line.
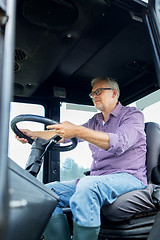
(133,214)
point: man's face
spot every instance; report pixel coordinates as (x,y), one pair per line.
(107,99)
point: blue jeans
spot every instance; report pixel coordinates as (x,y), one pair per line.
(91,193)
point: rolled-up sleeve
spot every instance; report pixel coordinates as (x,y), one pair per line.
(127,134)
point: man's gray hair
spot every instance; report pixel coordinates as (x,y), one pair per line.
(110,81)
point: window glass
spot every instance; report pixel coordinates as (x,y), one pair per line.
(150,106)
(150,113)
(19,152)
(75,162)
(157,7)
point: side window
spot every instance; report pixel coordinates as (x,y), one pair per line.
(150,113)
(150,106)
(19,152)
(75,162)
(157,8)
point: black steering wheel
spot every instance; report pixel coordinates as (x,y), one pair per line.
(44,120)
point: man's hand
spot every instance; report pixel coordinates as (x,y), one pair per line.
(41,134)
(26,132)
(64,129)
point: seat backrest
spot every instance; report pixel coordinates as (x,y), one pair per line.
(153,152)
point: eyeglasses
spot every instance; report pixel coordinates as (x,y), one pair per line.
(99,91)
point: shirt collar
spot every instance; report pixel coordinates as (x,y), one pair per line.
(115,111)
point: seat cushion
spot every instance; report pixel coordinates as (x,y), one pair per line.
(130,204)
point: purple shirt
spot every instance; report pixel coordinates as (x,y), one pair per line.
(127,152)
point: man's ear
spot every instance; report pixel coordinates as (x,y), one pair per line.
(114,93)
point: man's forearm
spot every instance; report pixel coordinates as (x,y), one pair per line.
(100,139)
(44,134)
(70,130)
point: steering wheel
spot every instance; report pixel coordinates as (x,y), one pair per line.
(44,120)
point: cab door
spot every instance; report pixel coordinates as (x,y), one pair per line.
(152,18)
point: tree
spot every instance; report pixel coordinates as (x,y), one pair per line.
(70,170)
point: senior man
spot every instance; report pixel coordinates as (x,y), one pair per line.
(118,143)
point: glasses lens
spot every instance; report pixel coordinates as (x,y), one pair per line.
(98,91)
